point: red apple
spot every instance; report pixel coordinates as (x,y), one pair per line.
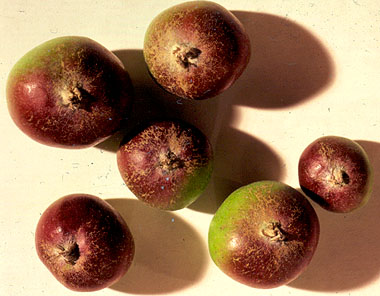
(84,242)
(264,234)
(196,49)
(167,164)
(69,92)
(335,172)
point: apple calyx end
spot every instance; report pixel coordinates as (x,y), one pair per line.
(70,252)
(274,232)
(76,98)
(186,56)
(169,161)
(340,177)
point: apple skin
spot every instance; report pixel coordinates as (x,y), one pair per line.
(69,92)
(196,50)
(166,164)
(84,242)
(264,234)
(336,173)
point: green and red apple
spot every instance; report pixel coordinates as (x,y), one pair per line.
(264,234)
(166,164)
(69,92)
(196,49)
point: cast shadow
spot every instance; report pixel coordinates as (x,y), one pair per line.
(171,256)
(239,159)
(288,63)
(348,255)
(150,101)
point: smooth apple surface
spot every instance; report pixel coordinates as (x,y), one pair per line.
(69,92)
(167,164)
(336,173)
(264,234)
(196,49)
(84,242)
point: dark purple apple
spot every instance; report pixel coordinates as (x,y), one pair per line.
(335,172)
(264,234)
(69,92)
(84,242)
(167,164)
(196,49)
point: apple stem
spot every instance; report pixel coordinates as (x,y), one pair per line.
(274,232)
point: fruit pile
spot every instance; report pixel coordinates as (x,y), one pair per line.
(71,92)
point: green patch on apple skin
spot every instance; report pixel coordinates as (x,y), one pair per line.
(195,186)
(53,57)
(47,52)
(224,222)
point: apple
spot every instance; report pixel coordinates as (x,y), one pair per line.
(69,92)
(196,49)
(264,234)
(166,164)
(336,173)
(84,242)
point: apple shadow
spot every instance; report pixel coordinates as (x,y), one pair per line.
(348,254)
(239,159)
(169,257)
(288,63)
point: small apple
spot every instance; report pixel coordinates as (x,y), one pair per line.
(196,49)
(264,234)
(84,242)
(69,92)
(336,173)
(167,164)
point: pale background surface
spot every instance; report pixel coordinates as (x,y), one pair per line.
(314,71)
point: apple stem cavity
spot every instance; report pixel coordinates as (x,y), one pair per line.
(274,232)
(70,252)
(186,56)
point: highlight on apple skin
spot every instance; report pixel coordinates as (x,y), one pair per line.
(196,49)
(264,234)
(84,242)
(69,92)
(166,164)
(336,173)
